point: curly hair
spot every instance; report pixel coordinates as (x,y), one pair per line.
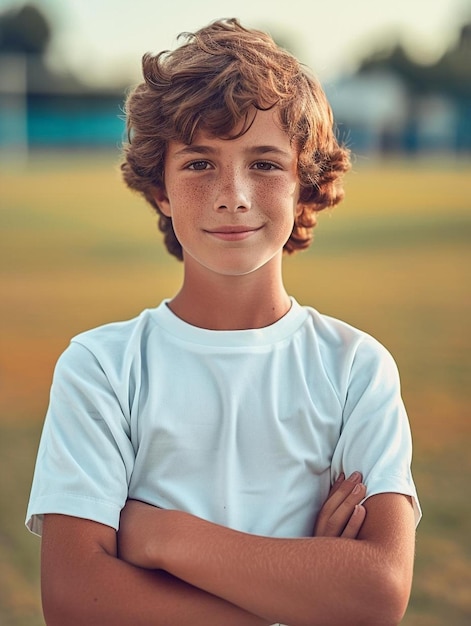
(213,82)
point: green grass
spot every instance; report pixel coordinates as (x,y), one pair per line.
(78,250)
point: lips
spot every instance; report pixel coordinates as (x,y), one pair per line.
(233,232)
(233,229)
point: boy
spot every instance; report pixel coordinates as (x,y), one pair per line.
(215,431)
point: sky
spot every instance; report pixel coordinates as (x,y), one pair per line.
(103,40)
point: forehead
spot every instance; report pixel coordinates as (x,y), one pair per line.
(264,131)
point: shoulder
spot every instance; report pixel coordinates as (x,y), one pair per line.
(112,351)
(117,334)
(115,340)
(349,358)
(342,340)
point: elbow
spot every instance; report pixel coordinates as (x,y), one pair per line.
(399,589)
(53,616)
(61,605)
(56,608)
(378,599)
(375,601)
(388,600)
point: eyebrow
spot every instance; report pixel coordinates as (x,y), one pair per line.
(207,150)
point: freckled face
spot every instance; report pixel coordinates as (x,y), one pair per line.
(232,202)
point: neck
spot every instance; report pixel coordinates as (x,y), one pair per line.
(232,302)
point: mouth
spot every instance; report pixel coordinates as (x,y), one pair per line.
(234,232)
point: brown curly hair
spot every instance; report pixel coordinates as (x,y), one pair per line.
(213,82)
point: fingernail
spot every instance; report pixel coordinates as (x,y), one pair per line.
(356,476)
(357,488)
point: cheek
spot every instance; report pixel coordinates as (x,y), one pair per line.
(185,200)
(187,209)
(279,197)
(195,196)
(281,188)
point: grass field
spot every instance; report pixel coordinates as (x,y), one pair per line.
(78,250)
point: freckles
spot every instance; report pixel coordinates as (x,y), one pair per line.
(275,191)
(199,191)
(270,189)
(193,198)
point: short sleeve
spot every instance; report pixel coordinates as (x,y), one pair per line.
(85,457)
(376,438)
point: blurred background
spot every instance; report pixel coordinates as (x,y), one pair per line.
(78,249)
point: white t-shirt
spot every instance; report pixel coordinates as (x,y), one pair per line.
(244,428)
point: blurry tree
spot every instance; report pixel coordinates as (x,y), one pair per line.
(24,31)
(42,105)
(451,74)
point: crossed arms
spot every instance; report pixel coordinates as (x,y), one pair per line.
(172,568)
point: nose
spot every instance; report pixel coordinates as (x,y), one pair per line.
(232,192)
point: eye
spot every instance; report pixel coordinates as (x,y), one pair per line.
(265,166)
(199,166)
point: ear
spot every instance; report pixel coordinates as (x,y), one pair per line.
(161,199)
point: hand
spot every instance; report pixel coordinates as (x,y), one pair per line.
(342,515)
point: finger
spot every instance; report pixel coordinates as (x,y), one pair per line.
(355,522)
(341,490)
(346,509)
(332,523)
(336,484)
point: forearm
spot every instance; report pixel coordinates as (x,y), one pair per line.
(313,581)
(319,581)
(113,592)
(94,587)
